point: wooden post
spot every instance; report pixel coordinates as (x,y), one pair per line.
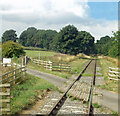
(6,94)
(22,62)
(46,65)
(24,72)
(51,66)
(69,68)
(25,60)
(60,67)
(14,77)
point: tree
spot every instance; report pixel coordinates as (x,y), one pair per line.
(43,38)
(26,36)
(114,50)
(10,49)
(84,43)
(72,41)
(9,35)
(66,39)
(103,45)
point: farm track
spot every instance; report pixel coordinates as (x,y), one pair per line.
(56,80)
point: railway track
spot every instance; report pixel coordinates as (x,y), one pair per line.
(59,106)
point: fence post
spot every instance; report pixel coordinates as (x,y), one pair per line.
(46,65)
(22,62)
(14,77)
(60,67)
(5,99)
(25,60)
(24,72)
(51,66)
(69,68)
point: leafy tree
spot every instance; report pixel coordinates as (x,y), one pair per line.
(84,43)
(72,41)
(69,40)
(37,38)
(9,35)
(114,50)
(26,36)
(44,38)
(10,49)
(109,45)
(103,45)
(66,39)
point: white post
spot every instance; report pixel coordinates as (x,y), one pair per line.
(39,55)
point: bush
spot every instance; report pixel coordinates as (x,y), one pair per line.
(11,49)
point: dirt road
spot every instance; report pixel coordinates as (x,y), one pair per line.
(56,80)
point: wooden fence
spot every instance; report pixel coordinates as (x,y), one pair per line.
(13,77)
(114,73)
(53,66)
(61,67)
(4,99)
(8,79)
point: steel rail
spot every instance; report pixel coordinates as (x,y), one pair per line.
(90,108)
(57,106)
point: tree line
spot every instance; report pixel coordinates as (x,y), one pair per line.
(68,40)
(109,46)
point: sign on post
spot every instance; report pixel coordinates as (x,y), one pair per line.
(7,61)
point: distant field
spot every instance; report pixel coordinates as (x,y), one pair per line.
(35,54)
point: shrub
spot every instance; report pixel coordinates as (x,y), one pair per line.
(11,49)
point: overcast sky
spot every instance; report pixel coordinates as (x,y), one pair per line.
(98,18)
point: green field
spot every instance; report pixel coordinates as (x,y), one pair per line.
(35,54)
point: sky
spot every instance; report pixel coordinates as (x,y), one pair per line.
(96,17)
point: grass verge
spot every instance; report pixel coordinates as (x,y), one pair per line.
(110,85)
(26,93)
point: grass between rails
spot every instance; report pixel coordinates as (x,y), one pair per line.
(26,93)
(109,84)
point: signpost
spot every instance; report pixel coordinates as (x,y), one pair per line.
(39,55)
(7,61)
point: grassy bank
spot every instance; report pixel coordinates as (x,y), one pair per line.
(26,93)
(109,84)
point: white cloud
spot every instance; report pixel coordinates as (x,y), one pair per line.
(43,8)
(52,14)
(99,28)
